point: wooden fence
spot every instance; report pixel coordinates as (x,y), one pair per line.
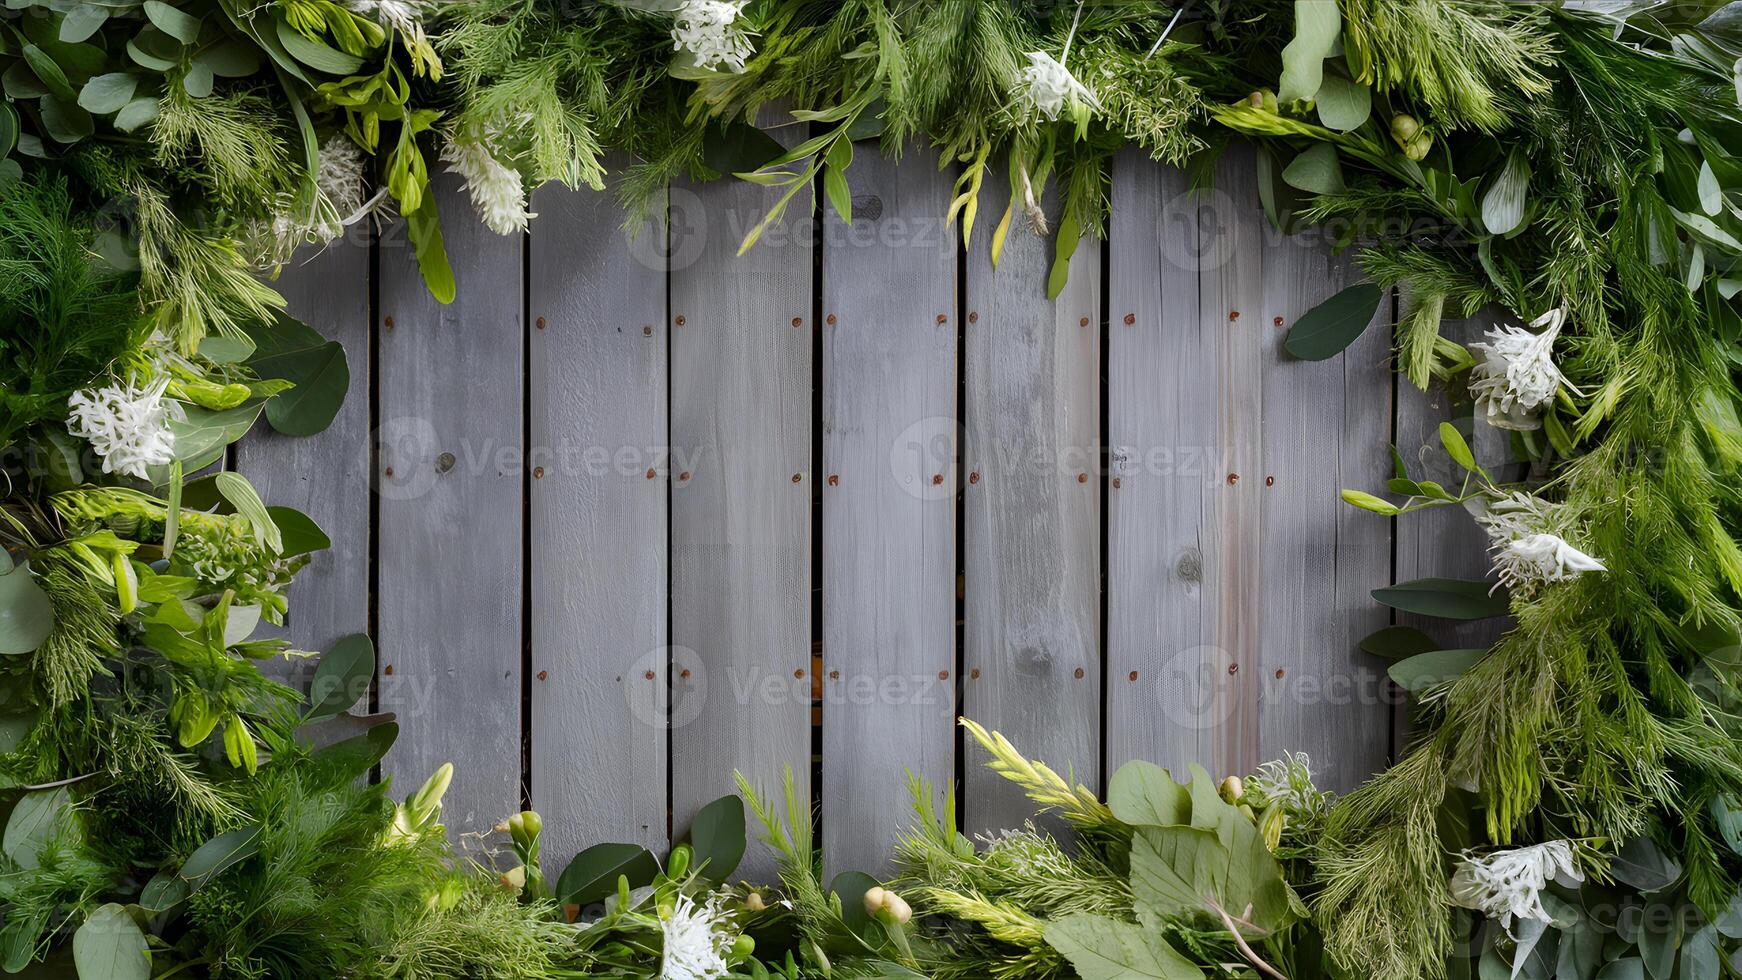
(635,511)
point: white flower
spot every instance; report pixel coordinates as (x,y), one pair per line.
(1516,376)
(498,193)
(1289,781)
(697,938)
(127,426)
(339,176)
(404,16)
(709,31)
(1529,551)
(1047,85)
(1508,884)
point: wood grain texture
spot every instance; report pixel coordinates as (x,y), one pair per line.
(326,476)
(1237,582)
(741,410)
(1031,514)
(597,421)
(889,448)
(449,548)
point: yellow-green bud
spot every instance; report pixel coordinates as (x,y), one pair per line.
(753,902)
(1417,148)
(514,879)
(742,947)
(1262,99)
(1404,128)
(1232,789)
(1271,824)
(680,861)
(532,822)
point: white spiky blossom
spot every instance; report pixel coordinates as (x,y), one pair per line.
(404,16)
(1508,884)
(128,426)
(1525,535)
(497,191)
(709,31)
(697,938)
(1047,85)
(1288,781)
(1515,376)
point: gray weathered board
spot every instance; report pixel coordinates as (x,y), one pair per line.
(646,512)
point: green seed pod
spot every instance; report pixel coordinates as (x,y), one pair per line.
(680,861)
(1404,128)
(1417,148)
(1232,789)
(742,947)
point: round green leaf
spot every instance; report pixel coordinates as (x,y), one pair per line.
(26,615)
(35,820)
(136,114)
(108,93)
(1642,864)
(1343,105)
(109,946)
(198,81)
(342,677)
(153,49)
(1330,327)
(301,535)
(82,21)
(183,27)
(717,837)
(1316,170)
(1446,598)
(593,873)
(64,121)
(851,886)
(1424,670)
(321,375)
(234,58)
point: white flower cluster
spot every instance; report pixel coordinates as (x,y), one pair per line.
(697,938)
(127,426)
(1288,781)
(404,16)
(498,194)
(709,31)
(1047,85)
(1508,884)
(1528,550)
(1515,376)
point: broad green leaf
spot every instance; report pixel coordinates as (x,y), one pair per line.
(424,227)
(316,55)
(738,147)
(717,837)
(108,93)
(1329,328)
(593,873)
(26,615)
(181,26)
(1711,194)
(49,72)
(1101,948)
(321,375)
(233,58)
(135,114)
(38,818)
(1445,598)
(1316,170)
(1398,642)
(850,887)
(198,80)
(1144,794)
(1425,670)
(164,892)
(300,533)
(1183,870)
(219,854)
(200,438)
(1343,105)
(82,21)
(342,678)
(1642,864)
(354,756)
(64,121)
(1699,955)
(1503,204)
(1726,813)
(1627,968)
(153,49)
(110,946)
(1317,28)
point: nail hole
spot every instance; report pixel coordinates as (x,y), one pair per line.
(388,471)
(647,331)
(830,319)
(388,323)
(681,321)
(1233,668)
(974,317)
(445,462)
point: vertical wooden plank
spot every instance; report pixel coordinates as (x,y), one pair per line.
(449,548)
(1326,427)
(1031,514)
(597,421)
(326,476)
(741,502)
(1165,684)
(889,395)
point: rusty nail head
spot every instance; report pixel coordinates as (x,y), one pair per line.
(943,318)
(1082,477)
(834,675)
(680,320)
(974,317)
(830,319)
(1277,321)
(651,473)
(387,322)
(1083,322)
(799,672)
(796,477)
(1279,673)
(684,475)
(538,472)
(648,675)
(834,479)
(647,331)
(685,673)
(974,477)
(387,669)
(974,674)
(798,321)
(544,675)
(445,462)
(1270,481)
(1233,314)
(937,479)
(1132,675)
(1130,318)
(943,675)
(1115,483)
(388,471)
(1079,673)
(540,323)
(1233,478)
(1233,668)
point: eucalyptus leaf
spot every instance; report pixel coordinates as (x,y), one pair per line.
(220,854)
(137,113)
(82,21)
(64,121)
(37,818)
(26,615)
(593,873)
(1343,105)
(342,678)
(1426,670)
(111,946)
(1316,170)
(1329,328)
(717,838)
(1445,598)
(1398,642)
(181,26)
(108,93)
(1642,864)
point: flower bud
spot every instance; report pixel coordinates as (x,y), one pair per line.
(514,879)
(1262,99)
(895,907)
(1271,824)
(753,902)
(874,900)
(742,947)
(1404,128)
(1232,789)
(680,861)
(533,823)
